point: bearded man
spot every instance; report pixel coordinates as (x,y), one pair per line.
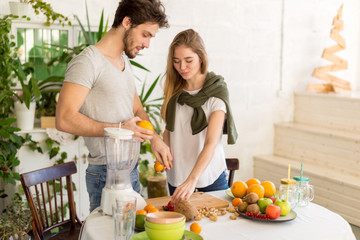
(99,90)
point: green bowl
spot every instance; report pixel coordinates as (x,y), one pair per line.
(159,226)
(165,234)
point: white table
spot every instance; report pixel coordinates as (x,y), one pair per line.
(312,222)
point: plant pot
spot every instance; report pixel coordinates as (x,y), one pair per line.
(25,117)
(19,8)
(47,122)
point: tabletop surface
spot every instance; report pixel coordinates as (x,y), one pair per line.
(312,222)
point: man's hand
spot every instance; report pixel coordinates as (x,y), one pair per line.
(139,132)
(161,151)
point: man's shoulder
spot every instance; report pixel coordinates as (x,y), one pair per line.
(86,56)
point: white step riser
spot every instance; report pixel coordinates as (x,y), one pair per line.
(332,112)
(348,207)
(328,151)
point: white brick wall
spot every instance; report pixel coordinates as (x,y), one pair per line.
(243,41)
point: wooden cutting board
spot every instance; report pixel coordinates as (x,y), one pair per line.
(197,199)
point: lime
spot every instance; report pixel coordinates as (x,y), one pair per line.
(140,221)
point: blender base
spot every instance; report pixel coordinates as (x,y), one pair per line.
(109,196)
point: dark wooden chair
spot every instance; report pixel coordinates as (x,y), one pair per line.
(47,195)
(232,165)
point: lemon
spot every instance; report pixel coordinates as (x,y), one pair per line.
(140,221)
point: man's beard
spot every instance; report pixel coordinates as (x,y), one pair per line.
(128,41)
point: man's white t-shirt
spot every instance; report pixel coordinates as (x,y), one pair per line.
(186,147)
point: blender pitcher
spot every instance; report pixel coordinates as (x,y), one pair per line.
(122,153)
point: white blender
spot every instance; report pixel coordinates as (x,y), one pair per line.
(122,153)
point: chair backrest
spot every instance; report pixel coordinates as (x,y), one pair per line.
(47,195)
(232,165)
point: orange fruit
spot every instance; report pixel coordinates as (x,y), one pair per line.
(158,166)
(256,188)
(195,227)
(252,181)
(236,202)
(143,212)
(146,124)
(148,207)
(269,188)
(153,210)
(239,189)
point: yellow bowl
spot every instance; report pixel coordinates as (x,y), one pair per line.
(164,226)
(165,217)
(165,234)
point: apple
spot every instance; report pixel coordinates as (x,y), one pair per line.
(273,199)
(273,211)
(284,205)
(263,203)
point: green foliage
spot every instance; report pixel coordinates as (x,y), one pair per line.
(152,107)
(88,35)
(40,6)
(11,68)
(9,144)
(15,219)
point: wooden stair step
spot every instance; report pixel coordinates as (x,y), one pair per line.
(330,148)
(336,111)
(333,190)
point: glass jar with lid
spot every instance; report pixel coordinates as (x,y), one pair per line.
(288,191)
(305,191)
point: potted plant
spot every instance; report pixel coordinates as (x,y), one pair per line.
(27,96)
(21,8)
(15,220)
(13,72)
(46,106)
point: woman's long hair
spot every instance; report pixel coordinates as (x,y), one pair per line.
(173,81)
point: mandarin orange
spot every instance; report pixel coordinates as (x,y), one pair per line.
(236,201)
(153,210)
(158,166)
(195,227)
(252,181)
(269,188)
(256,188)
(148,207)
(239,189)
(146,124)
(143,212)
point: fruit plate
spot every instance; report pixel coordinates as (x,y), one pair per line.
(229,193)
(188,235)
(291,216)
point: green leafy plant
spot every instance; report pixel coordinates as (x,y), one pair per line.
(40,6)
(15,220)
(152,107)
(12,69)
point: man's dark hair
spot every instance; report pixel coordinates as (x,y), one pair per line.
(141,11)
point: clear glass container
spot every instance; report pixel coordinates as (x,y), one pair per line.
(305,191)
(288,191)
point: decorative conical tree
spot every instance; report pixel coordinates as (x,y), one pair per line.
(335,84)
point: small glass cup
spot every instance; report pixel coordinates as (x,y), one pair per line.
(305,191)
(124,212)
(288,191)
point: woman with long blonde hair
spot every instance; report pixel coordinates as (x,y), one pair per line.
(196,104)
